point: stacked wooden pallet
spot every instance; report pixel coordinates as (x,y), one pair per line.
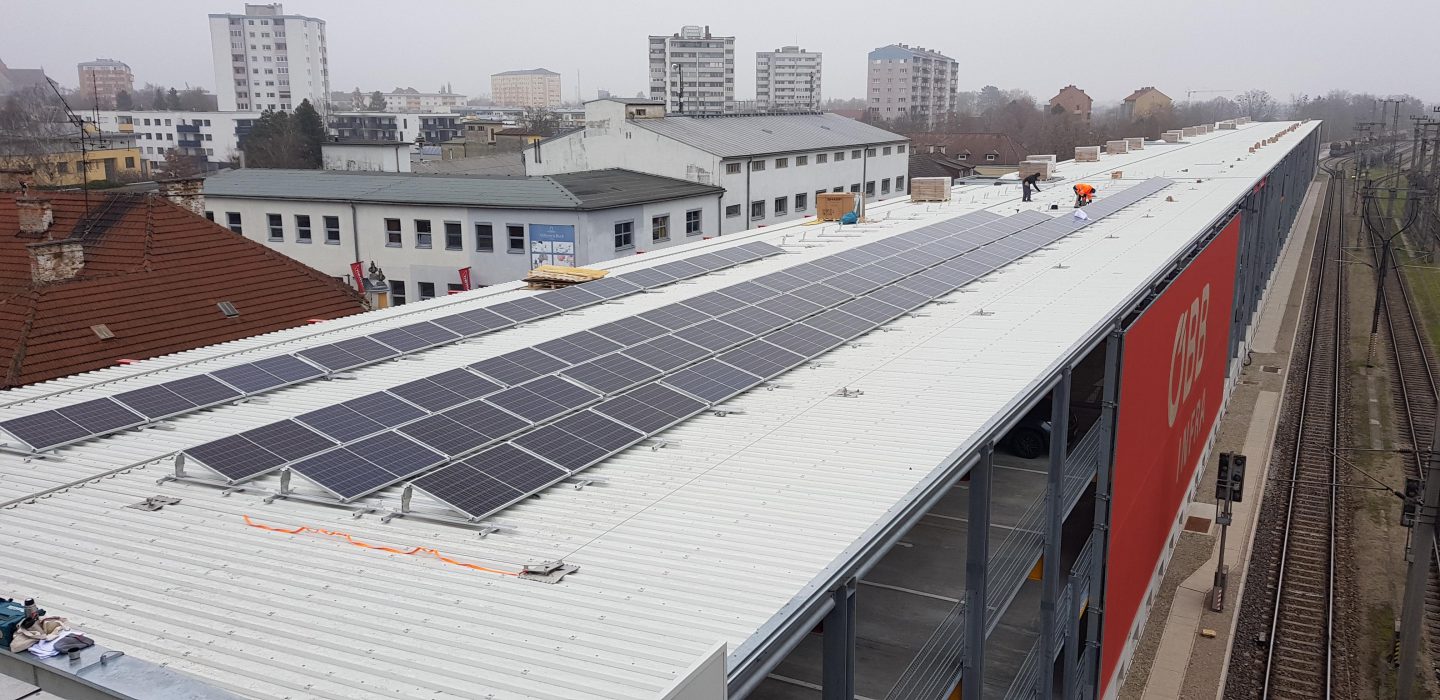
(556,276)
(930,189)
(1087,154)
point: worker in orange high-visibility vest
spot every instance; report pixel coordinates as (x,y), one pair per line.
(1084,194)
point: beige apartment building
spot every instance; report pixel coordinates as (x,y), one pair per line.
(536,87)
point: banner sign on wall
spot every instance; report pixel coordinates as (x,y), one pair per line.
(357,270)
(465,279)
(552,244)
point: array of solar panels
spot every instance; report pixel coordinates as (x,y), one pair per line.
(62,426)
(508,426)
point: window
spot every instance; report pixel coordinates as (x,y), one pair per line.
(302,228)
(232,220)
(839,156)
(990,157)
(453,237)
(427,290)
(624,234)
(900,149)
(757,209)
(484,238)
(855,187)
(782,206)
(782,163)
(870,189)
(515,238)
(900,184)
(63,167)
(802,160)
(210,215)
(660,228)
(821,158)
(332,230)
(963,156)
(453,288)
(692,222)
(392,234)
(757,165)
(732,211)
(129,162)
(885,186)
(397,292)
(870,152)
(839,189)
(422,240)
(855,154)
(800,201)
(732,168)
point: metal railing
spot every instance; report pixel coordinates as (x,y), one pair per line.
(936,668)
(1028,677)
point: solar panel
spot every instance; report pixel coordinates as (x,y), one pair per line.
(384,408)
(154,401)
(366,349)
(713,303)
(748,292)
(734,256)
(101,416)
(666,353)
(871,309)
(600,431)
(485,419)
(235,458)
(562,448)
(674,316)
(331,357)
(611,373)
(534,402)
(831,264)
(903,298)
(611,287)
(762,359)
(288,368)
(368,465)
(925,285)
(458,323)
(487,318)
(808,272)
(250,378)
(518,366)
(803,339)
(45,429)
(760,249)
(790,307)
(781,281)
(427,394)
(430,332)
(649,278)
(710,261)
(201,390)
(570,298)
(650,408)
(713,335)
(400,339)
(465,383)
(821,294)
(630,330)
(288,440)
(467,490)
(851,283)
(524,309)
(511,465)
(877,273)
(578,347)
(444,434)
(680,269)
(988,257)
(341,422)
(754,320)
(839,324)
(712,381)
(900,267)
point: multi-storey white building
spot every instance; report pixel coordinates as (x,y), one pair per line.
(216,136)
(787,80)
(693,71)
(423,229)
(409,127)
(911,82)
(536,87)
(266,59)
(411,100)
(770,165)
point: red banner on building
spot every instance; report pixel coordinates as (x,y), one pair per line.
(1172,382)
(464,279)
(357,270)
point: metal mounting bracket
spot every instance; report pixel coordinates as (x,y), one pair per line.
(547,572)
(848,393)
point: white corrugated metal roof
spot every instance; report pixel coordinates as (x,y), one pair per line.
(701,541)
(734,135)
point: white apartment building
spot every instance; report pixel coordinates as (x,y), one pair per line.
(912,82)
(787,80)
(411,100)
(536,87)
(771,165)
(214,135)
(693,71)
(430,127)
(266,59)
(423,229)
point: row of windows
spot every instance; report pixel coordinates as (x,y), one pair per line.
(760,165)
(426,289)
(659,229)
(802,200)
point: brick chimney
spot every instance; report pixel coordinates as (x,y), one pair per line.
(188,192)
(55,261)
(34,214)
(11,179)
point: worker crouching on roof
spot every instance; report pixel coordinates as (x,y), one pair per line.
(1028,184)
(1084,194)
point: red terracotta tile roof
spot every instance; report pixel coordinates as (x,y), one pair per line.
(153,275)
(975,144)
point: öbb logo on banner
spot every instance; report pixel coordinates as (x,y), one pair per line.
(1187,355)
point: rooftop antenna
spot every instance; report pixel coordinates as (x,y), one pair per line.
(79,123)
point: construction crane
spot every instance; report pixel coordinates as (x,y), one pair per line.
(1191,93)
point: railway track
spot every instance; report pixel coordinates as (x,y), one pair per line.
(1290,597)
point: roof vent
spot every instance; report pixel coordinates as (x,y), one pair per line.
(228,309)
(103,331)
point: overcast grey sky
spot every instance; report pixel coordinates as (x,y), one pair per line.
(1108,47)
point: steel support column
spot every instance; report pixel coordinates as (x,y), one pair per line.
(977,560)
(1101,531)
(1052,572)
(838,663)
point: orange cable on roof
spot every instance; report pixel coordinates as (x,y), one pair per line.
(348,538)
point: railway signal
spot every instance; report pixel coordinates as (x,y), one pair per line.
(1413,494)
(1229,489)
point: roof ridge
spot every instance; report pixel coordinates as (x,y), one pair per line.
(13,371)
(565,190)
